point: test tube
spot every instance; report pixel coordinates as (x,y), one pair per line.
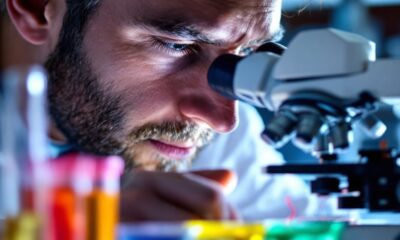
(83,197)
(37,140)
(102,204)
(215,230)
(155,231)
(71,179)
(11,123)
(304,230)
(23,136)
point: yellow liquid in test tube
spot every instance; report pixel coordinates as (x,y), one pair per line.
(23,227)
(213,230)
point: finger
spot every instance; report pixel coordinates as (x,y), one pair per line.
(226,178)
(141,206)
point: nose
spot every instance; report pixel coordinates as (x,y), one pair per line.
(212,110)
(204,106)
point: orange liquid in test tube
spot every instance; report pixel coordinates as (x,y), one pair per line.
(64,201)
(102,204)
(101,215)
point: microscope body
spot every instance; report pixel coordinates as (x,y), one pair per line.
(323,83)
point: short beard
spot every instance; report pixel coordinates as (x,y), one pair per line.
(78,105)
(169,132)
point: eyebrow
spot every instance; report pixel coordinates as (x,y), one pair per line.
(179,29)
(189,31)
(274,37)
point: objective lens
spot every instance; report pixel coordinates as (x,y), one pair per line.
(308,127)
(278,130)
(341,135)
(322,145)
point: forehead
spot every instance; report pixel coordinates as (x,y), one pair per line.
(203,9)
(220,18)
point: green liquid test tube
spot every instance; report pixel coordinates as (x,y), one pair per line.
(305,231)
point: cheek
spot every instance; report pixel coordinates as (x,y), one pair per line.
(147,83)
(148,87)
(135,65)
(150,103)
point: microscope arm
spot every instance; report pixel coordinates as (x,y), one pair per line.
(381,79)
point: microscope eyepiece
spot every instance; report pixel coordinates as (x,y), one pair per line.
(221,75)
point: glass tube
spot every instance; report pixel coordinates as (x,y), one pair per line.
(23,134)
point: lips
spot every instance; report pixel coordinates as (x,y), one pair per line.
(172,150)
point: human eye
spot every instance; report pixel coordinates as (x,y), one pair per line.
(175,48)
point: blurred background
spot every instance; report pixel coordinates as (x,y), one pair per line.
(377,20)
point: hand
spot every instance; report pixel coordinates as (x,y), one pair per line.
(167,196)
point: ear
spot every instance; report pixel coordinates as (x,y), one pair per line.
(29,18)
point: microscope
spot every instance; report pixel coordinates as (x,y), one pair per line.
(319,87)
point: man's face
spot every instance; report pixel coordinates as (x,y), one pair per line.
(135,84)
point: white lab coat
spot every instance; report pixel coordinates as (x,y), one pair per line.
(258,196)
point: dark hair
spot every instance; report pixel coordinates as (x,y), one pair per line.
(3,9)
(78,11)
(74,23)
